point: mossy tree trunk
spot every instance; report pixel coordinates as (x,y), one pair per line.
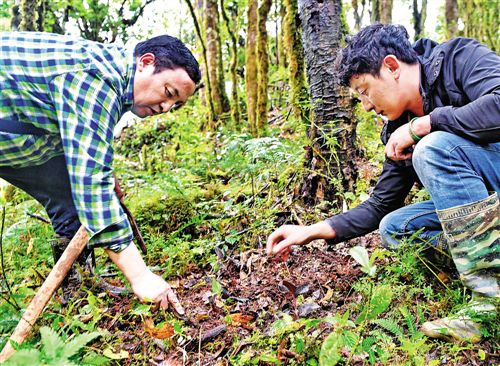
(295,58)
(204,67)
(385,11)
(233,68)
(419,17)
(375,11)
(251,65)
(481,21)
(214,59)
(281,37)
(451,16)
(262,67)
(29,15)
(330,158)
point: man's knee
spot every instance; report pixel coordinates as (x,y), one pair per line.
(431,148)
(387,229)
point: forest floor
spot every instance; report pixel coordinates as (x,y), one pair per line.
(205,204)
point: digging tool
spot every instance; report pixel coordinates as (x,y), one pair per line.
(51,284)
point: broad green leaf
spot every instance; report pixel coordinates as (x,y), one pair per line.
(94,359)
(72,347)
(360,255)
(350,339)
(216,287)
(330,350)
(269,358)
(379,302)
(141,309)
(300,345)
(51,342)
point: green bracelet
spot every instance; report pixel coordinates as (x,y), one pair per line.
(413,135)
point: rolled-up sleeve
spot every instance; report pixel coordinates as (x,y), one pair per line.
(87,108)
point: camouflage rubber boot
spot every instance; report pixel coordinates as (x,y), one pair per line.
(473,235)
(73,279)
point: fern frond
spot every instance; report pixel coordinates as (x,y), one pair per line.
(391,326)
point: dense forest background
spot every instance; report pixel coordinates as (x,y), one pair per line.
(270,139)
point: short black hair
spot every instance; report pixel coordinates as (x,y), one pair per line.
(366,50)
(170,53)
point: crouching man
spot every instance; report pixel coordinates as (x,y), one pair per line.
(443,106)
(60,98)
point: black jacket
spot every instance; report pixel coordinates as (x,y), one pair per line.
(460,87)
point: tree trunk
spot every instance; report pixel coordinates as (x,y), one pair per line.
(385,11)
(451,15)
(419,18)
(295,55)
(214,60)
(358,14)
(481,21)
(281,37)
(330,156)
(262,67)
(233,31)
(29,17)
(251,65)
(211,111)
(375,11)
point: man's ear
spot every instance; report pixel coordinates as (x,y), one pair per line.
(145,60)
(392,63)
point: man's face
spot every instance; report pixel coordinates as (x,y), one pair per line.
(158,93)
(380,93)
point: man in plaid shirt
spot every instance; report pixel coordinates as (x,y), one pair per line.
(60,98)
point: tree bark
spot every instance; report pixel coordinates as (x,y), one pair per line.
(419,17)
(233,68)
(451,16)
(211,111)
(481,21)
(262,67)
(385,11)
(214,60)
(330,156)
(29,17)
(251,65)
(375,11)
(295,56)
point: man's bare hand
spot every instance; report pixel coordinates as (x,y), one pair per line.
(280,241)
(150,287)
(145,284)
(401,140)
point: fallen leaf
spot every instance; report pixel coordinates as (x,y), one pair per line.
(108,352)
(241,320)
(328,295)
(166,331)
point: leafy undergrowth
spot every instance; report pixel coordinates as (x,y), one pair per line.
(206,204)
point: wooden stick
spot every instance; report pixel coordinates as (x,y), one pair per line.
(51,284)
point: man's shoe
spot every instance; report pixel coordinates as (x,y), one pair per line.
(465,326)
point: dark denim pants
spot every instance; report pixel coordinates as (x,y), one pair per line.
(455,171)
(48,184)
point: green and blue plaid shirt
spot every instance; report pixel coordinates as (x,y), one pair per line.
(74,91)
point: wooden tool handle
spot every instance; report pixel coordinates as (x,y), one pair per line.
(51,284)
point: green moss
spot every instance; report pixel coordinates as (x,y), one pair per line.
(156,212)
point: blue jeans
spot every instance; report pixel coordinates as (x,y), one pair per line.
(48,184)
(455,171)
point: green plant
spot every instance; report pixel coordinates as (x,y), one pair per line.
(54,351)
